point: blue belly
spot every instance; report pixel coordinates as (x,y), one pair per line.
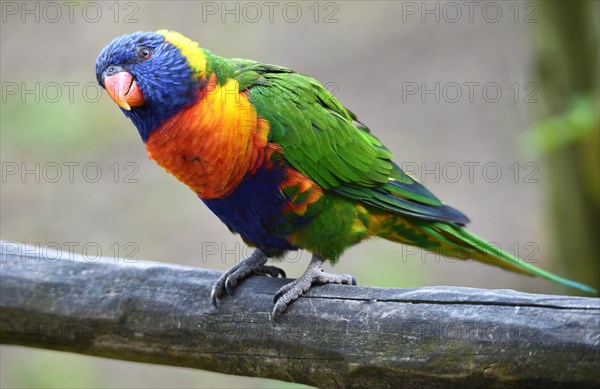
(255,210)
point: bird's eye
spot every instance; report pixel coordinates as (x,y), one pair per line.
(144,53)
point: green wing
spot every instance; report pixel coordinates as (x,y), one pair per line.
(325,141)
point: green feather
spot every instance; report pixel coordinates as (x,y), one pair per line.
(495,256)
(320,138)
(325,141)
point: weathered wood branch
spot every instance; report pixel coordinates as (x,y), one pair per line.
(334,336)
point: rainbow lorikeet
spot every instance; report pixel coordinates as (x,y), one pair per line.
(279,160)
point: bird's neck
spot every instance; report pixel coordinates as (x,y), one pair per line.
(213,144)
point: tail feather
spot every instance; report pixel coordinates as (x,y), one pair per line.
(486,252)
(452,240)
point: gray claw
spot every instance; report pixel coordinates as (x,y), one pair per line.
(314,274)
(255,263)
(213,297)
(231,283)
(272,271)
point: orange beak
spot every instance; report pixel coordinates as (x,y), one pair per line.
(124,90)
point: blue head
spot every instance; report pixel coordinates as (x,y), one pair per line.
(149,77)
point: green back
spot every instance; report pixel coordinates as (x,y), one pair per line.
(325,141)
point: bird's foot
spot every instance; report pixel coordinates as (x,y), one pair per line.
(255,263)
(314,274)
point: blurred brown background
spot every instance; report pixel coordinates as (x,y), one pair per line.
(451,89)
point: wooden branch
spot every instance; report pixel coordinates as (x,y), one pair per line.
(334,336)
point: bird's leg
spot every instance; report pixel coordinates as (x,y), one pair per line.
(314,274)
(255,263)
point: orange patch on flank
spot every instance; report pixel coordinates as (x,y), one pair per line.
(308,192)
(211,145)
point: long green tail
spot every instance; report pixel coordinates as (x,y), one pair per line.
(481,250)
(451,240)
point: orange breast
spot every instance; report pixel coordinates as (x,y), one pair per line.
(213,144)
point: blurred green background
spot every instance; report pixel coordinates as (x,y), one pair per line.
(494,107)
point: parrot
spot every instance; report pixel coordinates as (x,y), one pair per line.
(280,161)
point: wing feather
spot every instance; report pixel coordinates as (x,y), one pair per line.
(323,140)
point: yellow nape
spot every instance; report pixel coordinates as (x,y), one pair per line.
(189,49)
